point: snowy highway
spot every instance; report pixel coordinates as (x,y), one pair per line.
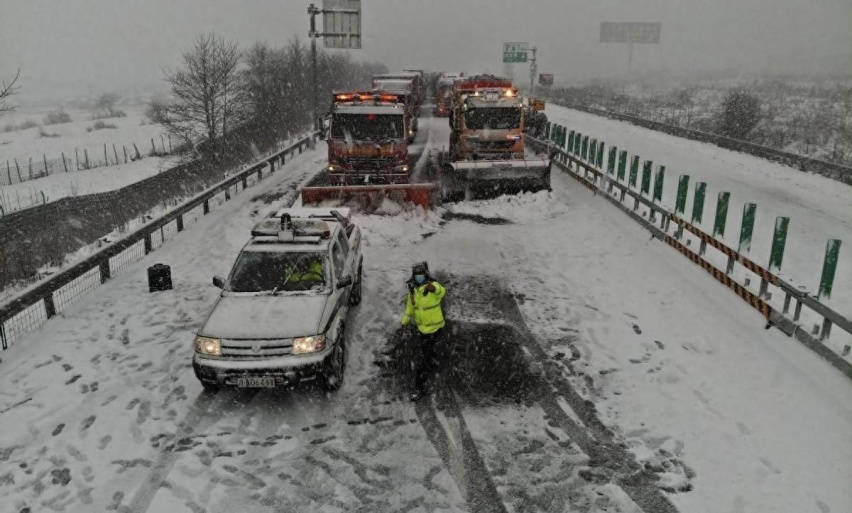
(594,370)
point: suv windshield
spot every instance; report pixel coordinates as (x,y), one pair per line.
(494,118)
(367,127)
(257,271)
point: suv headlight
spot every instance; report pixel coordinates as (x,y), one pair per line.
(208,346)
(306,345)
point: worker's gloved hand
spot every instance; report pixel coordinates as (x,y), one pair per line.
(430,287)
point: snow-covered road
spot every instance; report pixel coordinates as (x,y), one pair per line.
(564,301)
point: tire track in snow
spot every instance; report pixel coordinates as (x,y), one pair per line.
(593,437)
(459,452)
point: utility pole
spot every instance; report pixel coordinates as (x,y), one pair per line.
(341,29)
(533,71)
(313,34)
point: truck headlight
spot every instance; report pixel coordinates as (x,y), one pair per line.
(306,345)
(334,168)
(208,346)
(400,169)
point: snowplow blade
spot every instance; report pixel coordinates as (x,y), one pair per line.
(491,178)
(371,196)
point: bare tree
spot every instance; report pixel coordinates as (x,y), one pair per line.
(105,106)
(206,91)
(6,91)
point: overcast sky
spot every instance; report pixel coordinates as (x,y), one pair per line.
(69,48)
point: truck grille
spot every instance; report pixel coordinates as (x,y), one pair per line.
(491,145)
(256,349)
(364,163)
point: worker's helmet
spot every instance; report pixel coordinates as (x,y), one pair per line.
(420,268)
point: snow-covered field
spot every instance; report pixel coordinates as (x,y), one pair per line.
(102,411)
(819,208)
(77,183)
(23,144)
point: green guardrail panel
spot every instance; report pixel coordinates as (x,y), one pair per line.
(829,266)
(698,202)
(658,183)
(779,241)
(747,228)
(682,192)
(721,221)
(634,171)
(610,161)
(646,177)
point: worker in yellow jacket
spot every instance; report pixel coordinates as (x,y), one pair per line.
(423,306)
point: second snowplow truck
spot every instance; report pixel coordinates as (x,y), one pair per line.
(487,155)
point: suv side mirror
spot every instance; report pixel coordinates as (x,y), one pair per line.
(344,281)
(218,281)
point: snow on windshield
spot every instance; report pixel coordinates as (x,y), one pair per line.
(366,127)
(493,118)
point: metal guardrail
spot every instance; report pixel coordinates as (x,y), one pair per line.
(30,309)
(828,169)
(617,193)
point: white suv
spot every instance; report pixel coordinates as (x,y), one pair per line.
(281,317)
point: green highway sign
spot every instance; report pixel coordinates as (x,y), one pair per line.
(515,52)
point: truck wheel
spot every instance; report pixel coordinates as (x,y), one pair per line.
(449,185)
(355,294)
(336,364)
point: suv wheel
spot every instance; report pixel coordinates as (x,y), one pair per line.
(210,386)
(336,364)
(355,294)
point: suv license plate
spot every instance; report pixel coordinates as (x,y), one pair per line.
(256,382)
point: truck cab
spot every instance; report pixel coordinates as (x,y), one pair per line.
(368,138)
(281,317)
(487,120)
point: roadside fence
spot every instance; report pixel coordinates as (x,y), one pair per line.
(15,171)
(32,308)
(636,187)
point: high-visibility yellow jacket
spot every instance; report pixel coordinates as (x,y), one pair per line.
(425,308)
(313,273)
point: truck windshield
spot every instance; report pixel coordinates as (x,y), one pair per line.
(493,118)
(367,127)
(257,271)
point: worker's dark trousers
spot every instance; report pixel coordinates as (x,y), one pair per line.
(430,359)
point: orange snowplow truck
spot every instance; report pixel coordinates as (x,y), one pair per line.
(487,119)
(368,158)
(487,153)
(367,138)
